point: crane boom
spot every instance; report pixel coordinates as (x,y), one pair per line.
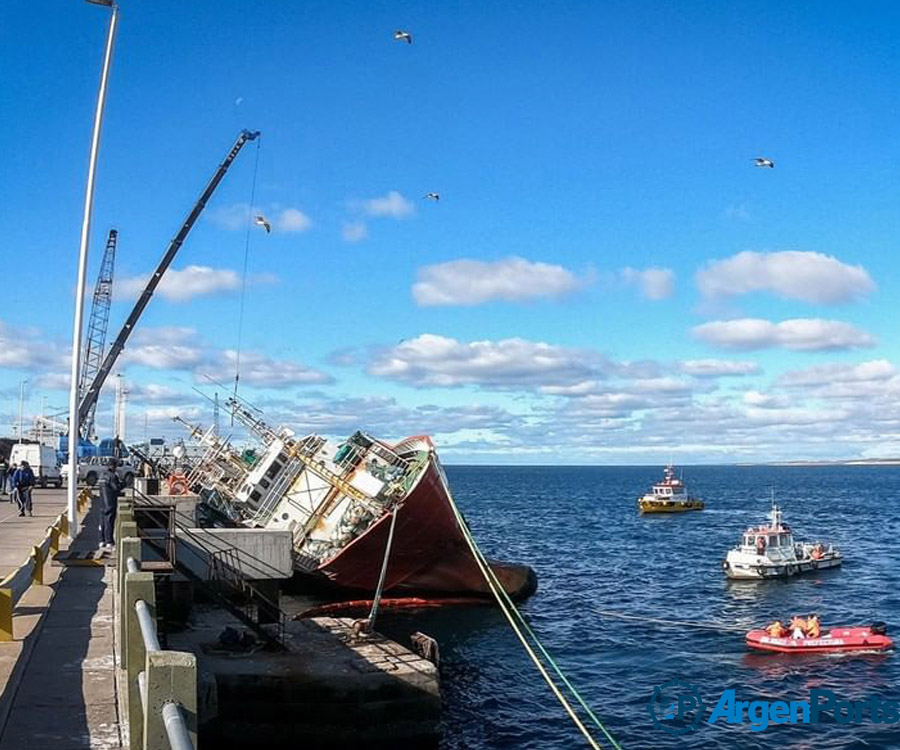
(97,327)
(89,398)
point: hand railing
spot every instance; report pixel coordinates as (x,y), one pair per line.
(161,690)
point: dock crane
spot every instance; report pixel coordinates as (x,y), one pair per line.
(89,396)
(97,327)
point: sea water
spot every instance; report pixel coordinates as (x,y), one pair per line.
(578,527)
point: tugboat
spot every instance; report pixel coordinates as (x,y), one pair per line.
(669,496)
(771,552)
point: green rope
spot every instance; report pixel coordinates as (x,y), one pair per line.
(507,601)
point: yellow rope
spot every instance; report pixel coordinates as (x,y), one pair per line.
(492,582)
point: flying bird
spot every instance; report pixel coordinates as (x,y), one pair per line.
(432,196)
(762,161)
(261,221)
(403,36)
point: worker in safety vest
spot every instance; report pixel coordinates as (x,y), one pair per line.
(797,627)
(813,628)
(776,629)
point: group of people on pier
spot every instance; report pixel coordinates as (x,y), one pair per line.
(17,482)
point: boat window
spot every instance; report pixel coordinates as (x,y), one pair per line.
(773,540)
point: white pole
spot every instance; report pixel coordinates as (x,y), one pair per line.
(21,409)
(74,426)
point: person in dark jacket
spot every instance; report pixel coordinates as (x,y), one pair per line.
(109,494)
(22,482)
(4,470)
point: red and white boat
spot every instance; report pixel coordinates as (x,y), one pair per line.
(338,499)
(837,640)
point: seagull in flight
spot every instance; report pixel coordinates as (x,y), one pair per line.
(432,196)
(261,221)
(762,161)
(403,36)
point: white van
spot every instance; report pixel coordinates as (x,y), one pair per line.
(41,459)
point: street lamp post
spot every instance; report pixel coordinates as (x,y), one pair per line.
(21,409)
(74,426)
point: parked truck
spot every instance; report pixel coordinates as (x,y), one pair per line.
(41,459)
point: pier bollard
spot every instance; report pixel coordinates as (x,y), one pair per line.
(63,524)
(37,575)
(126,529)
(124,514)
(170,677)
(6,614)
(137,586)
(54,539)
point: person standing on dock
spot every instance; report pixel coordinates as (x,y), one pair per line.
(4,470)
(22,482)
(109,495)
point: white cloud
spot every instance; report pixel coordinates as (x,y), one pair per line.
(260,370)
(474,282)
(354,231)
(765,400)
(182,285)
(430,360)
(715,368)
(799,334)
(792,274)
(29,349)
(654,283)
(292,220)
(163,356)
(839,372)
(154,393)
(393,205)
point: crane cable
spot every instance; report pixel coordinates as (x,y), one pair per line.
(512,614)
(240,331)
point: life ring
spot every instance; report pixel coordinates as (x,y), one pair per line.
(178,485)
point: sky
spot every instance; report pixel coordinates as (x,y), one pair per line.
(606,277)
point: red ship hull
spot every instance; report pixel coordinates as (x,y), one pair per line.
(428,553)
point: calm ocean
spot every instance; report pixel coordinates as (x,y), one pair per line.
(578,527)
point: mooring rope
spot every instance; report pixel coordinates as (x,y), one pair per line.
(673,623)
(512,614)
(373,613)
(240,331)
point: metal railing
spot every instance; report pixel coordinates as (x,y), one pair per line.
(161,685)
(30,572)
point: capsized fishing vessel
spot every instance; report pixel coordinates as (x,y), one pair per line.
(871,638)
(669,496)
(338,501)
(771,552)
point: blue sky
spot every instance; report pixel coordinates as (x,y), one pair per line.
(606,277)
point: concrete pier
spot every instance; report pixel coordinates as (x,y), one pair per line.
(62,685)
(58,676)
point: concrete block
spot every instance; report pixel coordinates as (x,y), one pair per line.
(171,677)
(260,554)
(137,586)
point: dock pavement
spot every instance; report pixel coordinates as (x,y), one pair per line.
(57,677)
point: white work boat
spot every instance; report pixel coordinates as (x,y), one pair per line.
(771,552)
